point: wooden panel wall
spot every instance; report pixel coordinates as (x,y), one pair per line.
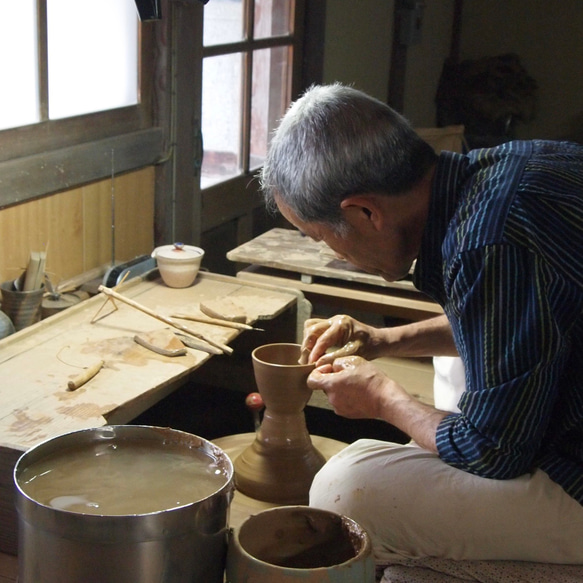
(75,227)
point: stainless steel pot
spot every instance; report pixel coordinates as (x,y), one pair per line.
(182,544)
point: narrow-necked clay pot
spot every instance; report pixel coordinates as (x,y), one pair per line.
(299,543)
(281,463)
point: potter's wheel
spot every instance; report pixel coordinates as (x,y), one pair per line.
(243,506)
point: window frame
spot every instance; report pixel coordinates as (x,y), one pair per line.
(223,201)
(53,155)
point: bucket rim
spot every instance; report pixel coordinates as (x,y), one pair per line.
(219,455)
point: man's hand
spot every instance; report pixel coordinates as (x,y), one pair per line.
(357,389)
(353,385)
(347,335)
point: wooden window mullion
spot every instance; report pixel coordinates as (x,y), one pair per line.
(43,66)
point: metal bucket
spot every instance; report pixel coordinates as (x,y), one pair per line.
(183,544)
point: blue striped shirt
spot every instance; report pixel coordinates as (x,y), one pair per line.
(503,255)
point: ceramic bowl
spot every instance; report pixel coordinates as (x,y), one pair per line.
(178,264)
(290,544)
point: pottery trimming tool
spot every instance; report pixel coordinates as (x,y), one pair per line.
(197,345)
(113,294)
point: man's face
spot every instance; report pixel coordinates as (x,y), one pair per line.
(383,253)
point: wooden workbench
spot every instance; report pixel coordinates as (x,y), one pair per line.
(286,258)
(37,362)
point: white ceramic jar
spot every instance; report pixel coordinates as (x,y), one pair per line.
(178,264)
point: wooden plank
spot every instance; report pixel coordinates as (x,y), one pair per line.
(289,250)
(334,293)
(26,178)
(81,238)
(134,213)
(36,403)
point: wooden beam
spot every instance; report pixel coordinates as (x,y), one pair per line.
(398,68)
(41,174)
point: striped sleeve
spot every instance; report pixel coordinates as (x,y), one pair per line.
(513,337)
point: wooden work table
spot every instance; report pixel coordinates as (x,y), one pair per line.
(37,363)
(286,258)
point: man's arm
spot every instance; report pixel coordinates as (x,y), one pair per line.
(432,337)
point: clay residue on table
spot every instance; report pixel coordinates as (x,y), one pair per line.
(117,350)
(25,424)
(86,410)
(124,350)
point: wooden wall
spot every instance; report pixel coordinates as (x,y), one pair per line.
(75,227)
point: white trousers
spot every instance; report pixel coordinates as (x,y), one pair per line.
(414,505)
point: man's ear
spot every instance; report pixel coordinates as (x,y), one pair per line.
(363,207)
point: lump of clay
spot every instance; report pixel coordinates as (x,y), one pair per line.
(223,309)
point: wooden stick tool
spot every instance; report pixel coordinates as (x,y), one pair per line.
(109,299)
(113,294)
(216,322)
(85,376)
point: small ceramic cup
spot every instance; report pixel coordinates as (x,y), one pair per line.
(299,543)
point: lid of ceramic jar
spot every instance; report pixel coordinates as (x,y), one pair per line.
(178,252)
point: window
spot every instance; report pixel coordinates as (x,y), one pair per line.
(19,99)
(70,96)
(100,73)
(246,84)
(225,70)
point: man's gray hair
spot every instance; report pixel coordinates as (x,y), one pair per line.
(336,141)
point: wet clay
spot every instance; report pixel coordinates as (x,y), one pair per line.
(280,464)
(300,543)
(300,538)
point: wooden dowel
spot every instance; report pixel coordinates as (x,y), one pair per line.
(109,299)
(216,321)
(109,292)
(85,376)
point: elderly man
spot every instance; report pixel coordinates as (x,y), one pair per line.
(497,236)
